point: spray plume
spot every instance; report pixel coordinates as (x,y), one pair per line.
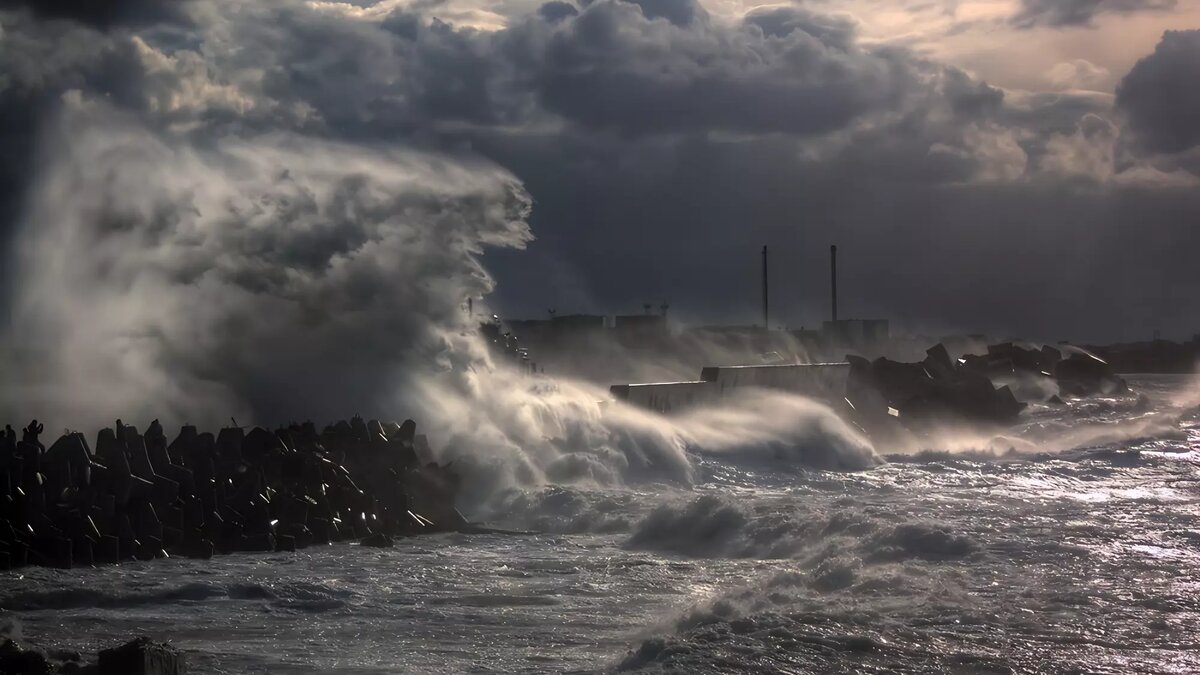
(273,277)
(280,277)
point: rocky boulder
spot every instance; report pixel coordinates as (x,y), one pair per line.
(142,656)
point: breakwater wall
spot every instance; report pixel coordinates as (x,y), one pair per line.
(139,496)
(822,381)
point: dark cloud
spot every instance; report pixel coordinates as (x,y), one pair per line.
(556,10)
(104,13)
(677,12)
(613,68)
(1063,13)
(1161,95)
(779,22)
(1045,258)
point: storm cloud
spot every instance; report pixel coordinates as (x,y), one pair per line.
(103,13)
(661,146)
(1160,95)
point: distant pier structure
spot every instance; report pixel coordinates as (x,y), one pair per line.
(584,343)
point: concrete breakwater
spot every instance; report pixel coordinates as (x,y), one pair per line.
(139,496)
(976,388)
(822,381)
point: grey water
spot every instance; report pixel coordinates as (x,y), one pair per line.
(1076,551)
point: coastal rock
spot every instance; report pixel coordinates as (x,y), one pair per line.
(917,395)
(142,656)
(937,362)
(1087,375)
(1077,373)
(257,543)
(377,540)
(200,549)
(18,659)
(54,551)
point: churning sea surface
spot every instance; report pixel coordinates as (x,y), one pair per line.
(1080,552)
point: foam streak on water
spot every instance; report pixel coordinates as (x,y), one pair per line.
(1069,555)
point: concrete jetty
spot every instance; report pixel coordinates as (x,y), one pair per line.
(882,395)
(824,381)
(821,381)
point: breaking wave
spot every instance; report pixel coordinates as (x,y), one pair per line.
(712,526)
(524,432)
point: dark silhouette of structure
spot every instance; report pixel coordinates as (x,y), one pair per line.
(765,290)
(833,279)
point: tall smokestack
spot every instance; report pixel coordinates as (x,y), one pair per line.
(766,316)
(833,277)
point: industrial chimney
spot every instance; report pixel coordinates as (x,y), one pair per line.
(833,277)
(766,317)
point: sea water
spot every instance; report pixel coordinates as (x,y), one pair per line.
(1069,544)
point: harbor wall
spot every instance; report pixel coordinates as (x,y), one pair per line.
(666,397)
(817,380)
(822,381)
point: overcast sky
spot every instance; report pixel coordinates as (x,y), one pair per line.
(1017,167)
